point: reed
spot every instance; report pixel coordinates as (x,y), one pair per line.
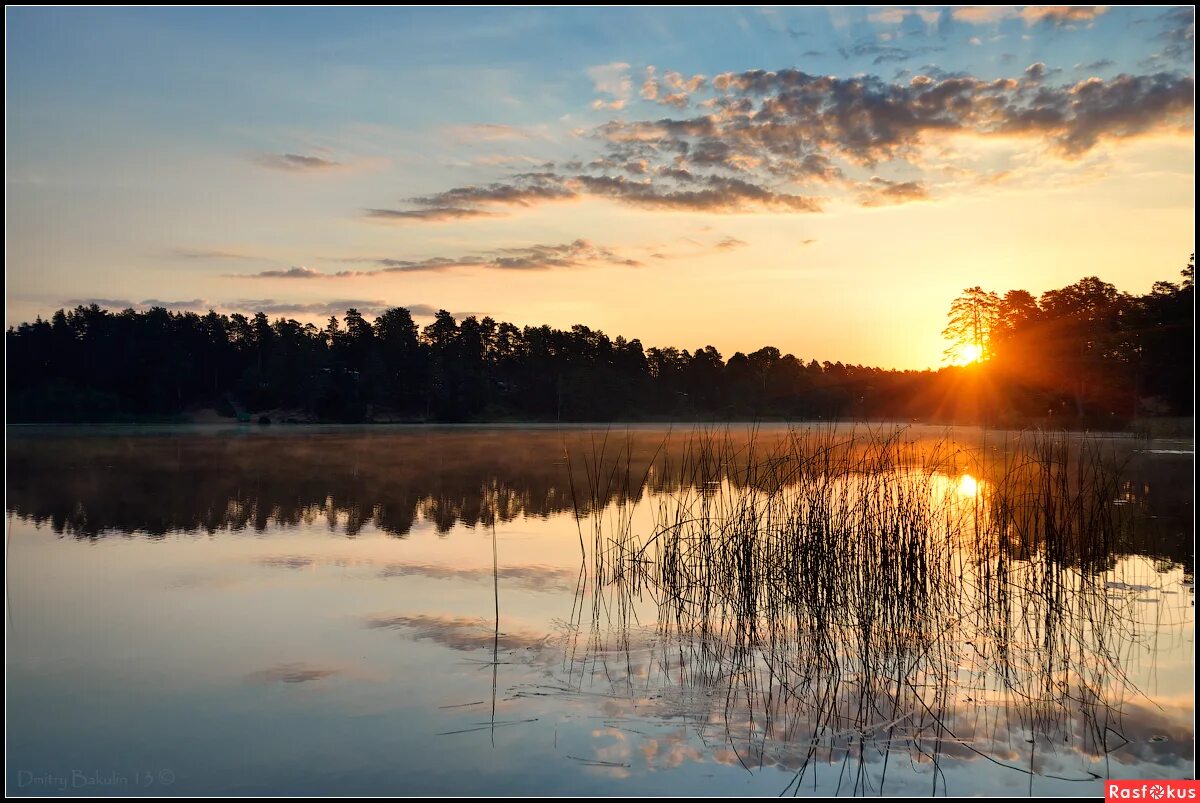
(859,593)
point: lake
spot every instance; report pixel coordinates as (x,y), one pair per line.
(623,610)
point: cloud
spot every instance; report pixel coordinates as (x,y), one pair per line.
(290,273)
(713,194)
(1054,16)
(613,80)
(427,311)
(459,633)
(667,189)
(124,303)
(1061,16)
(529,188)
(896,16)
(775,116)
(488,132)
(295,162)
(576,254)
(271,307)
(883,192)
(886,53)
(677,87)
(760,141)
(1102,64)
(268,306)
(612,105)
(650,85)
(728,243)
(190,304)
(982,15)
(107,303)
(207,253)
(292,673)
(537,578)
(1124,107)
(1038,72)
(438,214)
(1179,34)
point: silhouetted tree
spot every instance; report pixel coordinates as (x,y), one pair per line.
(971,319)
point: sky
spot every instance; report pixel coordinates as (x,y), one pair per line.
(823,180)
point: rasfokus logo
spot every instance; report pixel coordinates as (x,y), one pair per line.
(1150,790)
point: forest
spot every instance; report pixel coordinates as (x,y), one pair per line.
(1085,355)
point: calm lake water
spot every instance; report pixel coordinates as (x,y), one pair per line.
(596,611)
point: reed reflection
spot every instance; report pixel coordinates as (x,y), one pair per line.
(851,602)
(88,485)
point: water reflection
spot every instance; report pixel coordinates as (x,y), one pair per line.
(824,610)
(95,482)
(850,605)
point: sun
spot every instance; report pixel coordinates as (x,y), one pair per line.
(968,353)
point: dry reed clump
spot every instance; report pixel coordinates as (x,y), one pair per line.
(859,591)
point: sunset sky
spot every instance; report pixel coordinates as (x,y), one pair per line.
(822,180)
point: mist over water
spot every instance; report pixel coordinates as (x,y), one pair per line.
(529,610)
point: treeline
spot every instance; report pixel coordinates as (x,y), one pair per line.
(1091,351)
(1083,353)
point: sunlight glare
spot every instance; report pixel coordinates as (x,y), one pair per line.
(969,353)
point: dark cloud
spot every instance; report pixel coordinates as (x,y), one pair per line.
(290,273)
(1102,64)
(107,303)
(1179,33)
(435,214)
(882,192)
(373,307)
(1126,106)
(294,162)
(1039,72)
(190,304)
(759,138)
(576,254)
(271,307)
(534,187)
(717,194)
(776,117)
(885,53)
(814,167)
(730,242)
(668,189)
(268,306)
(124,303)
